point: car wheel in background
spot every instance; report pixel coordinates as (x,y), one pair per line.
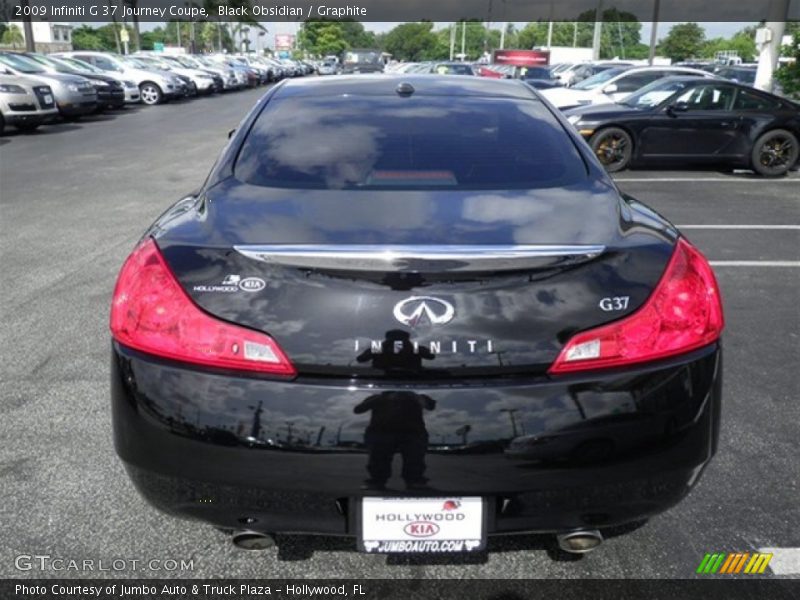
(613,147)
(27,126)
(150,93)
(774,153)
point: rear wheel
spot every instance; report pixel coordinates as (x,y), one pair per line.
(613,147)
(774,153)
(150,93)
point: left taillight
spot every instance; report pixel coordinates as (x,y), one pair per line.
(683,313)
(151,313)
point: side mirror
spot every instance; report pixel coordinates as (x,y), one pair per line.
(610,88)
(230,133)
(678,107)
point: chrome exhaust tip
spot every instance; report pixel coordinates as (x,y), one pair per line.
(252,540)
(579,542)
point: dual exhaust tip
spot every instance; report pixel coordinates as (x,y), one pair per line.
(580,541)
(573,542)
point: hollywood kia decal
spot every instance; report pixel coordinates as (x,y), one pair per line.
(421,529)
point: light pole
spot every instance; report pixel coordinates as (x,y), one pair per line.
(654,32)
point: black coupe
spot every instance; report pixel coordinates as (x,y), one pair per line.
(424,268)
(690,120)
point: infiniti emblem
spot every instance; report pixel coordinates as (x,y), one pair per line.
(412,310)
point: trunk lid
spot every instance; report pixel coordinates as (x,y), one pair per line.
(432,284)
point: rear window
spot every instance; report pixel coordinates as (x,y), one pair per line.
(353,142)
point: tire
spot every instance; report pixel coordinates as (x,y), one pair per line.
(27,126)
(774,153)
(613,147)
(150,93)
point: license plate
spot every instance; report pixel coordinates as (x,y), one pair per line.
(422,525)
(48,99)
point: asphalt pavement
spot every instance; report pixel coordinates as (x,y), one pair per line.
(74,198)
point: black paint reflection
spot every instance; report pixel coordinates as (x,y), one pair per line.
(396,426)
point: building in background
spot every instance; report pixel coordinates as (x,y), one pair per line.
(51,37)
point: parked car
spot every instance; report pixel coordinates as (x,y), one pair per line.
(360,60)
(189,64)
(540,78)
(451,68)
(495,71)
(155,86)
(200,82)
(245,77)
(745,75)
(693,120)
(328,67)
(376,263)
(75,96)
(613,84)
(230,79)
(25,103)
(110,92)
(575,73)
(88,70)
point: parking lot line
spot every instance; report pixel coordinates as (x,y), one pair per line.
(785,561)
(765,227)
(755,263)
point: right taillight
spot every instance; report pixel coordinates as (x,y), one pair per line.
(150,312)
(683,313)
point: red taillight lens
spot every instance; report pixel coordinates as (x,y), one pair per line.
(683,313)
(151,312)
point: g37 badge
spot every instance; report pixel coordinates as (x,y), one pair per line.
(613,303)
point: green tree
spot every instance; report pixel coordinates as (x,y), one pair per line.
(356,36)
(684,40)
(620,35)
(322,37)
(87,38)
(412,41)
(788,75)
(12,36)
(742,43)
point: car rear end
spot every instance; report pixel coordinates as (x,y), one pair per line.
(454,281)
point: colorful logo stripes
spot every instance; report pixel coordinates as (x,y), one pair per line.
(734,563)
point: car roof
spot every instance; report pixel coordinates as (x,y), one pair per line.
(386,85)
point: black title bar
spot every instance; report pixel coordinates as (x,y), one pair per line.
(397,10)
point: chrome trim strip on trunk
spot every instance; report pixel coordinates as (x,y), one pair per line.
(421,258)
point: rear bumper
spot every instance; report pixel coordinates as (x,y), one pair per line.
(291,456)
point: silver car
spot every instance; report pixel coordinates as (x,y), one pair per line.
(74,95)
(202,82)
(25,103)
(130,87)
(155,86)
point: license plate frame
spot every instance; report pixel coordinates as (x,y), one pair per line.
(437,535)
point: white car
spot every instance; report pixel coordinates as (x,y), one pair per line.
(613,84)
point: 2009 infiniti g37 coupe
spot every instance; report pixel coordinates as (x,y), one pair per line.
(414,310)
